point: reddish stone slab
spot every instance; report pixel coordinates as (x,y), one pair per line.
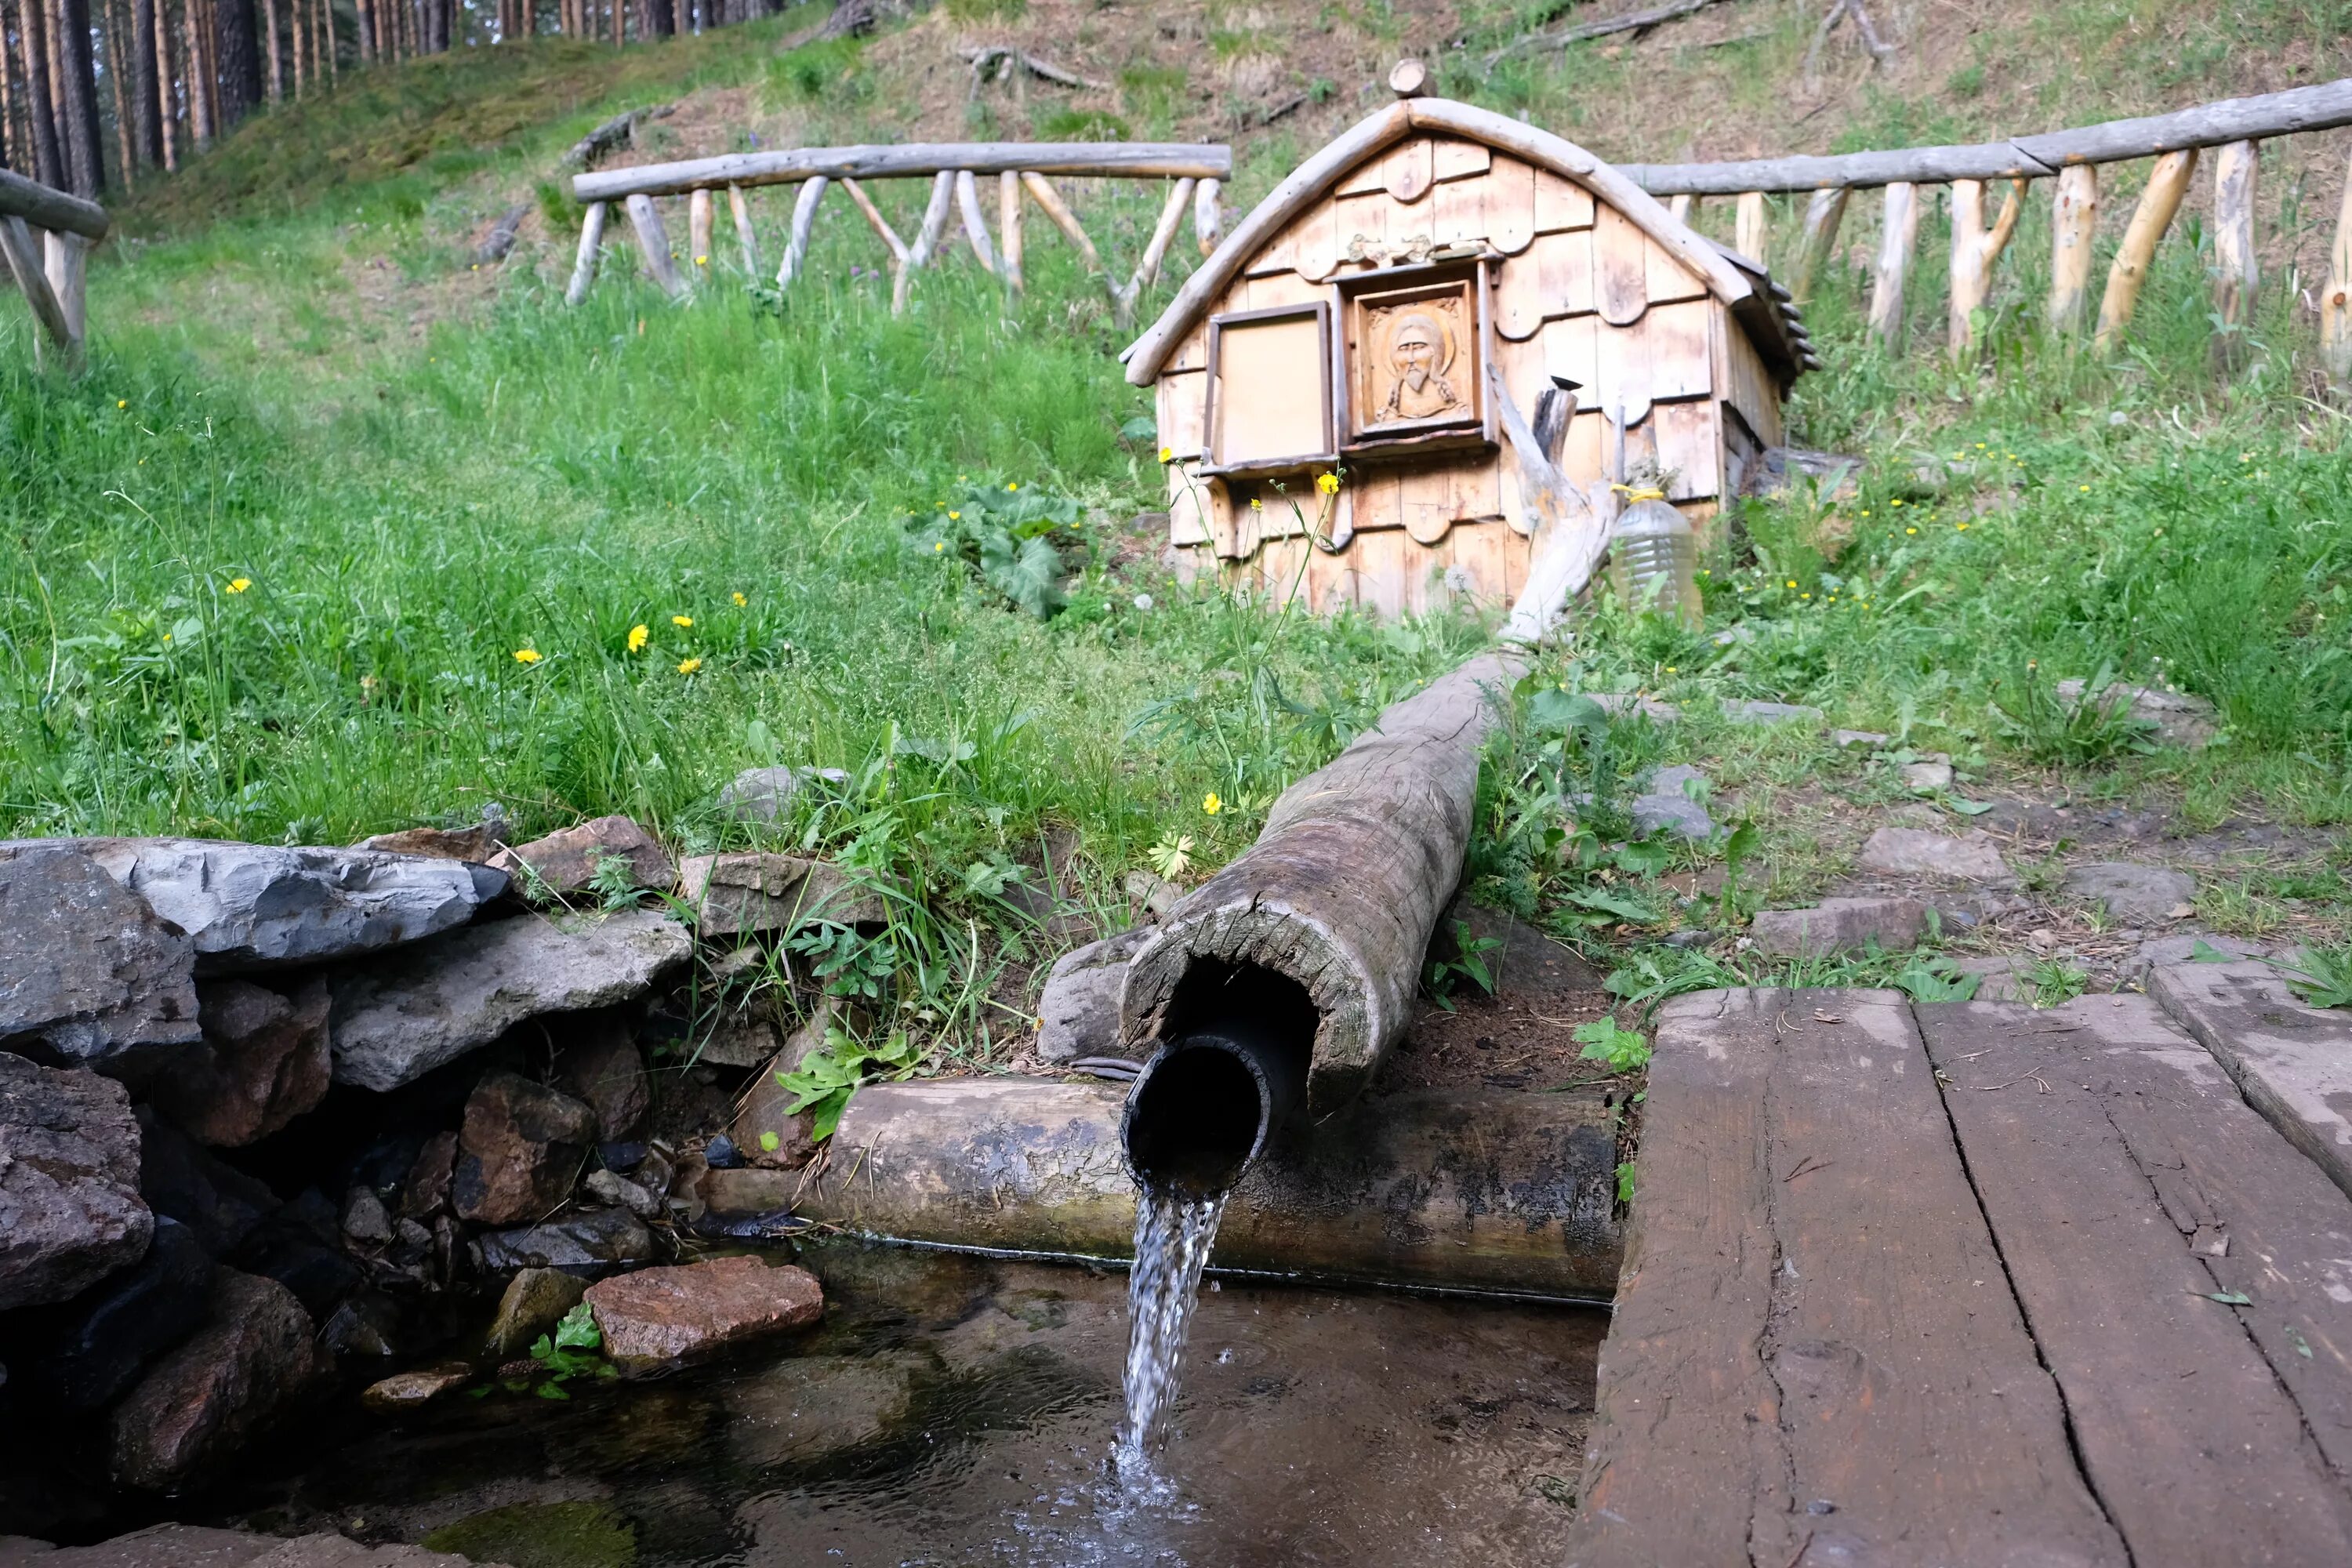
(658,1319)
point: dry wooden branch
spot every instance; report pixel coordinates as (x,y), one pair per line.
(617,132)
(2322,106)
(2073,225)
(1111,160)
(1567,536)
(1975,250)
(1047,197)
(652,241)
(2166,184)
(500,240)
(2234,274)
(1631,22)
(42,207)
(583,264)
(982,57)
(1163,233)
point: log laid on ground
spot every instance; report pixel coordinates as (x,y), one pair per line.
(2166,184)
(1823,213)
(2073,226)
(2317,108)
(497,244)
(43,208)
(1898,233)
(1975,249)
(1336,899)
(617,132)
(1115,160)
(583,264)
(1493,1190)
(982,58)
(1631,22)
(653,242)
(2233,252)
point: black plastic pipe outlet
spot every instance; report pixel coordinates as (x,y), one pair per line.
(1206,1105)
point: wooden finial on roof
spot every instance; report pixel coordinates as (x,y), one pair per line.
(1409,80)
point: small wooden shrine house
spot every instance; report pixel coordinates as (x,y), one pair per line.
(1373,315)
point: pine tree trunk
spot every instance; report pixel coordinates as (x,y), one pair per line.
(240,60)
(125,144)
(140,56)
(14,150)
(40,100)
(167,109)
(273,63)
(326,41)
(197,65)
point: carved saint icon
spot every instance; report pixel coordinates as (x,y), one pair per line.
(1421,352)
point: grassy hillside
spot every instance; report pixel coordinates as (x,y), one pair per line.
(278,559)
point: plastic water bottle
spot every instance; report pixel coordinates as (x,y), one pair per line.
(1654,558)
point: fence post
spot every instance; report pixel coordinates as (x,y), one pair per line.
(2073,225)
(2166,184)
(2234,271)
(1823,214)
(1899,232)
(1975,249)
(2336,305)
(1750,235)
(583,264)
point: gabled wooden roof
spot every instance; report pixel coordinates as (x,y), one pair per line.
(1761,306)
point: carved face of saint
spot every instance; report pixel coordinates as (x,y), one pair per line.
(1413,351)
(1420,351)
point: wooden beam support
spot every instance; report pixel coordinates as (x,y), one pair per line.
(975,226)
(1681,207)
(1751,234)
(592,243)
(2336,304)
(1114,160)
(1008,229)
(2166,184)
(1975,251)
(42,207)
(1898,234)
(1823,213)
(24,255)
(804,220)
(653,242)
(2073,226)
(935,220)
(1208,218)
(700,224)
(66,259)
(898,253)
(1147,271)
(740,206)
(2234,268)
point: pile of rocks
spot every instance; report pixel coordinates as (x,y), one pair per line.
(264,1109)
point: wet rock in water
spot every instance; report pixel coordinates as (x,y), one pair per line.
(742,895)
(194,1546)
(534,1302)
(434,1001)
(475,845)
(413,1390)
(2144,895)
(88,971)
(587,1242)
(801,1408)
(523,1147)
(82,1352)
(600,1067)
(1928,776)
(1839,925)
(252,1361)
(665,1318)
(576,1535)
(367,1325)
(1973,857)
(71,1211)
(365,1220)
(1078,1012)
(1744,712)
(425,1192)
(2177,718)
(220,1205)
(565,863)
(252,906)
(1667,806)
(263,1062)
(763,794)
(610,1187)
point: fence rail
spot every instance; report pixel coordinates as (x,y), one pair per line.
(2232,128)
(1022,168)
(45,238)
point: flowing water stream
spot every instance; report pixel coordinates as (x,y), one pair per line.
(1173,1234)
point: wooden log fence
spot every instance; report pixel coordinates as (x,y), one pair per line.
(45,240)
(2071,160)
(1023,172)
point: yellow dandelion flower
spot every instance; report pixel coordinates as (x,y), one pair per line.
(1256,505)
(1211,804)
(239,585)
(1960,527)
(681,621)
(526,656)
(939,547)
(740,600)
(955,517)
(1328,483)
(637,636)
(2083,489)
(1792,582)
(1013,485)
(1897,501)
(1804,596)
(1910,530)
(1167,454)
(123,403)
(702,261)
(689,665)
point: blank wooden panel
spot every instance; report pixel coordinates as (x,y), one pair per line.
(1690,447)
(1518,299)
(1511,205)
(1317,243)
(1359,217)
(1561,203)
(1455,159)
(1365,177)
(1271,382)
(1282,289)
(1570,350)
(1621,371)
(1459,212)
(1380,502)
(1481,550)
(1583,456)
(1675,351)
(1407,171)
(1749,386)
(1182,400)
(1521,366)
(1330,582)
(1192,351)
(1189,507)
(1431,504)
(1564,269)
(1668,278)
(1380,562)
(1621,288)
(1279,254)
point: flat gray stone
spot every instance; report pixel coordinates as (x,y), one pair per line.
(2182,949)
(2004,978)
(2179,719)
(88,971)
(252,906)
(195,1546)
(567,863)
(2144,895)
(1973,857)
(589,1243)
(762,795)
(70,1211)
(435,1000)
(1839,925)
(534,1301)
(743,895)
(1928,776)
(1077,1016)
(1744,712)
(1155,894)
(1846,739)
(1666,806)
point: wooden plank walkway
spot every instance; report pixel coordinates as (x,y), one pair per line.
(1967,1284)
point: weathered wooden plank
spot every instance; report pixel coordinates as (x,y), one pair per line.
(1561,203)
(2235,271)
(2196,1452)
(1665,278)
(1823,213)
(1621,288)
(1898,234)
(1459,212)
(1690,447)
(1511,205)
(1812,1312)
(1409,170)
(1135,160)
(1455,159)
(2293,1062)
